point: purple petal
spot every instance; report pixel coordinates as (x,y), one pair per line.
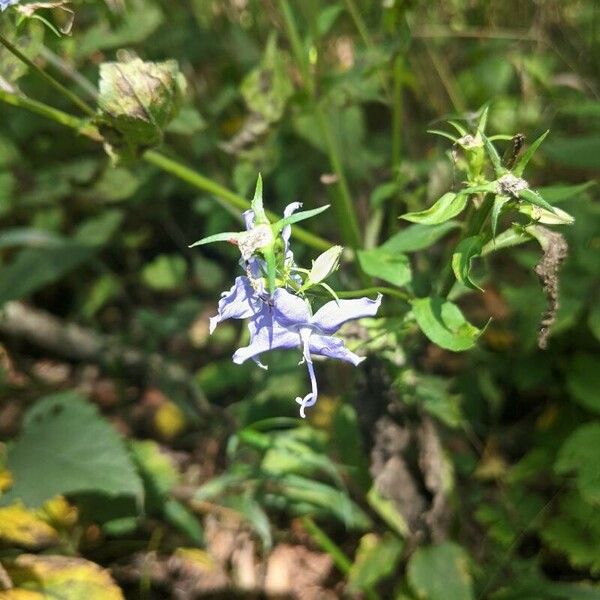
(249,217)
(329,318)
(240,302)
(263,339)
(290,310)
(325,345)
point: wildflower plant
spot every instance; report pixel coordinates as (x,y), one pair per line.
(274,295)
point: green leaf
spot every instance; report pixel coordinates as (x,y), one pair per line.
(156,468)
(447,207)
(554,194)
(257,202)
(299,216)
(440,573)
(583,380)
(376,559)
(66,447)
(444,324)
(327,18)
(534,198)
(493,156)
(387,510)
(165,272)
(226,236)
(137,101)
(580,453)
(575,532)
(392,267)
(499,203)
(418,237)
(267,88)
(527,155)
(254,514)
(462,259)
(178,515)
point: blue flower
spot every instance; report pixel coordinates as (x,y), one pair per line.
(4,4)
(284,321)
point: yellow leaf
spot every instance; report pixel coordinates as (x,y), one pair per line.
(20,595)
(6,479)
(59,513)
(23,527)
(62,577)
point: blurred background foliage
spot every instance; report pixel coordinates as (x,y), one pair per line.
(428,474)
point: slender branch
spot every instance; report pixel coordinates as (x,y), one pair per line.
(343,205)
(76,100)
(386,291)
(159,160)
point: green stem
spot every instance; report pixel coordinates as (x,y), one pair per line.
(343,205)
(342,562)
(473,226)
(44,110)
(212,187)
(397,106)
(155,158)
(74,98)
(386,291)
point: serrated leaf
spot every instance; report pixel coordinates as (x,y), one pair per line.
(462,259)
(444,324)
(392,267)
(376,559)
(137,101)
(440,573)
(62,577)
(447,207)
(66,447)
(580,453)
(575,532)
(528,154)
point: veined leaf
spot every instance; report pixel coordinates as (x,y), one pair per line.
(66,447)
(447,207)
(463,256)
(444,324)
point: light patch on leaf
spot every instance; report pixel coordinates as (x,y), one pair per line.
(63,577)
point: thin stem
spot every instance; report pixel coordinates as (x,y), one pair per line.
(76,100)
(386,291)
(212,187)
(342,562)
(343,205)
(397,111)
(54,114)
(155,158)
